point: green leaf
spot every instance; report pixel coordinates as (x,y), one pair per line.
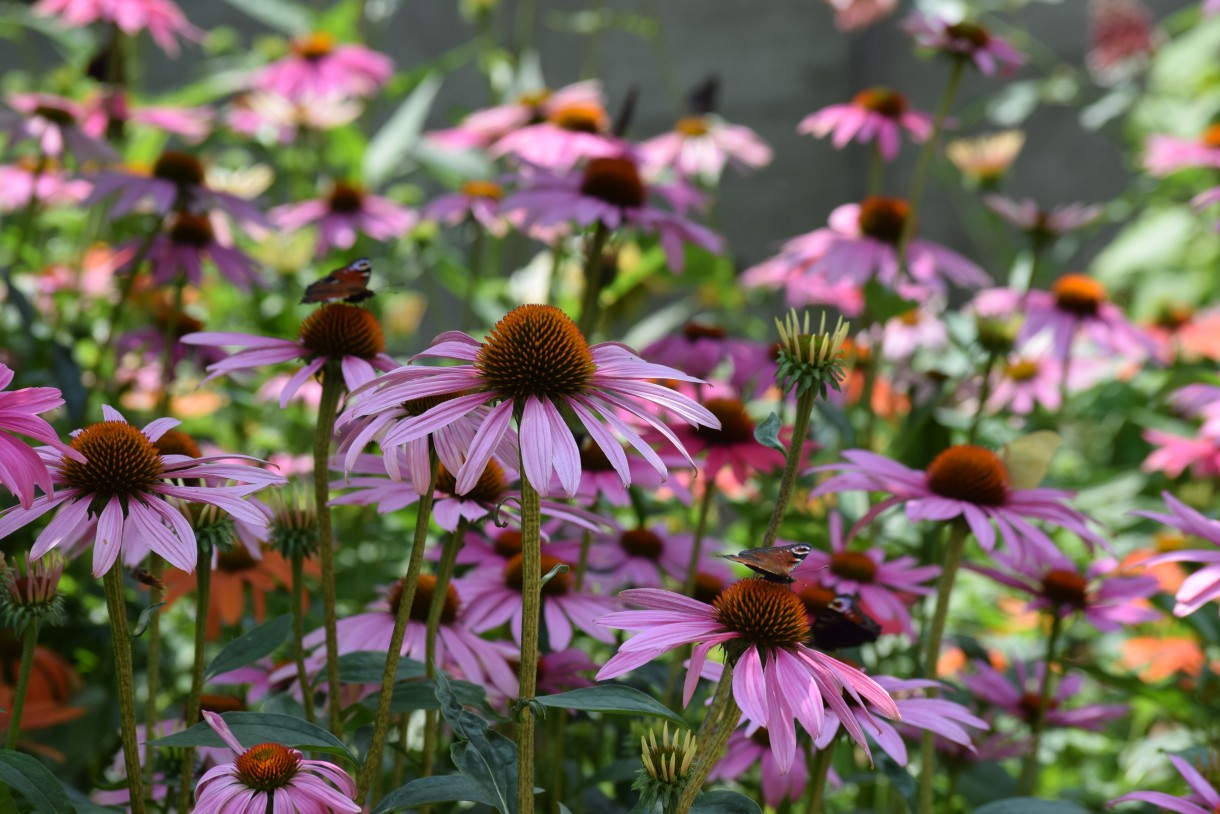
(767,433)
(367,666)
(1030,805)
(881,303)
(487,758)
(282,15)
(398,137)
(260,727)
(145,617)
(561,568)
(426,790)
(724,802)
(251,646)
(33,781)
(615,699)
(421,694)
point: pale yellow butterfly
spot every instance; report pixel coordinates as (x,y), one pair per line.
(1028,458)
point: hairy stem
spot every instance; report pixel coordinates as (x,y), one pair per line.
(819,771)
(203,590)
(531,601)
(332,392)
(117,608)
(298,633)
(152,715)
(984,394)
(28,644)
(719,723)
(595,270)
(1031,766)
(919,179)
(804,409)
(444,573)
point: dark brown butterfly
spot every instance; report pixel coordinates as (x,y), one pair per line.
(775,563)
(349,284)
(147,578)
(842,624)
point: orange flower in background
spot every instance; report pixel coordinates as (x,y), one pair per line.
(1160,657)
(1168,574)
(234,572)
(53,682)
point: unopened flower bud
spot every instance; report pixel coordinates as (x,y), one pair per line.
(809,361)
(666,764)
(30,594)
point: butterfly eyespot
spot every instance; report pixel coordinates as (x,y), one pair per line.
(840,604)
(802,550)
(363,264)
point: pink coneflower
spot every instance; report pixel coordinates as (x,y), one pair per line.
(483,128)
(320,68)
(699,348)
(1167,154)
(186,243)
(564,670)
(55,123)
(1025,382)
(788,270)
(884,587)
(110,112)
(610,191)
(163,20)
(124,482)
(1123,38)
(945,719)
(599,480)
(965,40)
(731,444)
(347,212)
(1203,585)
(21,469)
(475,200)
(914,330)
(269,777)
(1199,401)
(639,557)
(1203,797)
(1106,598)
(23,183)
(762,627)
(1174,454)
(271,118)
(1211,6)
(476,660)
(700,146)
(748,749)
(968,482)
(1018,696)
(1078,305)
(493,597)
(178,180)
(1040,224)
(534,361)
(877,113)
(337,331)
(567,133)
(853,14)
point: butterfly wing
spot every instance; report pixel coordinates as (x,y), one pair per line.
(349,284)
(764,569)
(774,563)
(1028,458)
(842,624)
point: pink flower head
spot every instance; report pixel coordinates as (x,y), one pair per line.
(700,348)
(968,482)
(918,329)
(21,184)
(1078,305)
(346,334)
(640,557)
(186,243)
(534,361)
(861,243)
(1017,695)
(483,128)
(1174,454)
(163,20)
(124,482)
(1106,598)
(1211,6)
(1124,37)
(345,214)
(750,747)
(56,124)
(789,270)
(884,587)
(564,670)
(21,469)
(478,201)
(320,68)
(877,114)
(1199,401)
(1025,382)
(271,118)
(1203,797)
(919,713)
(609,191)
(599,480)
(966,40)
(1203,585)
(271,777)
(567,133)
(762,627)
(732,443)
(111,112)
(700,146)
(1167,154)
(854,14)
(1038,223)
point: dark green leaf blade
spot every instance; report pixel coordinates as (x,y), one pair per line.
(724,802)
(367,666)
(1030,805)
(487,758)
(33,781)
(251,728)
(251,646)
(767,433)
(614,699)
(426,790)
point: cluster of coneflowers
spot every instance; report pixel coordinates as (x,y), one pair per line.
(552,508)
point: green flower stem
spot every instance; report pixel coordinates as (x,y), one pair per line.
(28,644)
(705,511)
(298,633)
(719,723)
(332,392)
(595,270)
(804,409)
(919,179)
(372,761)
(152,715)
(582,561)
(876,172)
(819,771)
(984,394)
(444,573)
(531,603)
(1031,767)
(203,591)
(954,548)
(1064,379)
(117,608)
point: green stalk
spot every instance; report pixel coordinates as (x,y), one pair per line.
(876,174)
(444,572)
(954,548)
(531,603)
(819,771)
(117,608)
(719,723)
(203,590)
(372,761)
(692,573)
(152,715)
(332,392)
(29,642)
(595,270)
(804,409)
(1031,766)
(984,394)
(298,633)
(919,179)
